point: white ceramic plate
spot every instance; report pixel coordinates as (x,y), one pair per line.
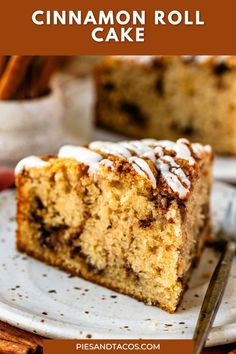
(47,301)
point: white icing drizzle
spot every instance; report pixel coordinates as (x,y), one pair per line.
(167,144)
(207,148)
(79,153)
(151,142)
(138,169)
(28,162)
(198,149)
(199,59)
(150,155)
(140,58)
(184,179)
(86,156)
(110,148)
(172,179)
(155,150)
(163,155)
(107,163)
(180,147)
(143,165)
(137,146)
(175,169)
(182,151)
(217,59)
(159,151)
(170,161)
(184,141)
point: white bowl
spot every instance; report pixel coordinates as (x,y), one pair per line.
(30,127)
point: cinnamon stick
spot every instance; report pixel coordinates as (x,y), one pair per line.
(3,62)
(13,75)
(32,74)
(47,69)
(8,347)
(20,334)
(16,339)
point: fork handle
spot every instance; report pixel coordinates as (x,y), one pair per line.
(213,297)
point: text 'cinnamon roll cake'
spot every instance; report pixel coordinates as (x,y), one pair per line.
(132,216)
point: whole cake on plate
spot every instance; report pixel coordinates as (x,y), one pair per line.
(132,216)
(169,98)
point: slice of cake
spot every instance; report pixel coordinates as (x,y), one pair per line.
(169,97)
(132,216)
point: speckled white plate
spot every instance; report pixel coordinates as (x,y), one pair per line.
(47,301)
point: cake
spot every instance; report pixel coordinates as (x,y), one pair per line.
(132,216)
(169,98)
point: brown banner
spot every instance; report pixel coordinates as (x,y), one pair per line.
(68,27)
(115,346)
